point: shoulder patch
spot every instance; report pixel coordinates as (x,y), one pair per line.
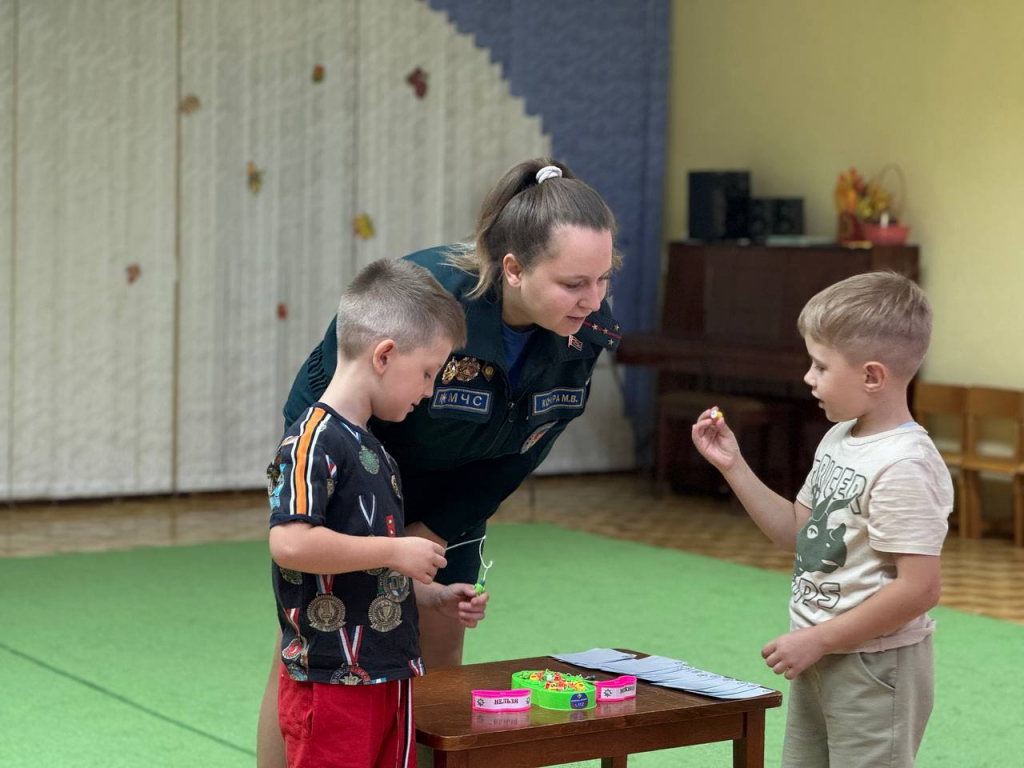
(463,399)
(536,436)
(601,329)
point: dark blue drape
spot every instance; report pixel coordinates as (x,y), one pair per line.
(596,72)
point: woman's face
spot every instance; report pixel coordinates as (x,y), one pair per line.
(560,291)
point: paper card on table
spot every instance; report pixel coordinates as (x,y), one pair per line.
(720,694)
(730,687)
(681,681)
(747,694)
(643,667)
(682,672)
(695,687)
(719,684)
(593,658)
(694,682)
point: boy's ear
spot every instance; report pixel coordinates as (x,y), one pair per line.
(382,355)
(512,269)
(875,376)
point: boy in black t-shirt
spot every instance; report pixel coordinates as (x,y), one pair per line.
(343,570)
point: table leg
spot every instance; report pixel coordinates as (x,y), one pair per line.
(748,752)
(450,759)
(614,762)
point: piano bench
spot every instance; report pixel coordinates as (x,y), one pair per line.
(751,419)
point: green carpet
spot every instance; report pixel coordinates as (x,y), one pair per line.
(158,657)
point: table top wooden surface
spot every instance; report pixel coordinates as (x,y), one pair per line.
(445,719)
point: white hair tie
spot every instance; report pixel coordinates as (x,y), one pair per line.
(548,172)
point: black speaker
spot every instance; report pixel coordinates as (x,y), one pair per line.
(775,216)
(719,205)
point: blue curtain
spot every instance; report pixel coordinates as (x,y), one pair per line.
(596,72)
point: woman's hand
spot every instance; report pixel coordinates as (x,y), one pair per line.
(460,601)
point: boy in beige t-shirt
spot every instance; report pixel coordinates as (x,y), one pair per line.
(867,529)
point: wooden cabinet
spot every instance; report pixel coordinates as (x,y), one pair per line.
(728,326)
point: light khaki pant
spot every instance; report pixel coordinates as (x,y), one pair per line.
(861,710)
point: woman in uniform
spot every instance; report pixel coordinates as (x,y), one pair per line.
(532,283)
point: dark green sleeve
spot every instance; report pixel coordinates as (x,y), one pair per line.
(452,501)
(313,377)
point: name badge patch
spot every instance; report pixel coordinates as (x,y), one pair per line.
(566,398)
(463,399)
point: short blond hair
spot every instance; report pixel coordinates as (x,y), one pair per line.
(879,316)
(401,301)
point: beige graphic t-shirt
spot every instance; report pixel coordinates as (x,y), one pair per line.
(870,498)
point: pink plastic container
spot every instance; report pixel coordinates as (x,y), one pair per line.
(619,689)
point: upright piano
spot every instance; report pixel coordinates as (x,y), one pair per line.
(728,323)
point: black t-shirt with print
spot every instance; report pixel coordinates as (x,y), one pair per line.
(350,628)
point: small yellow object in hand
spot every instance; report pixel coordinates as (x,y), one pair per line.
(716,414)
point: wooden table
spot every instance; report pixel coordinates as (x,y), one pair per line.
(658,718)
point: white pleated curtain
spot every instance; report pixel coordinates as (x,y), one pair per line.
(358,142)
(160,311)
(245,252)
(7,54)
(91,357)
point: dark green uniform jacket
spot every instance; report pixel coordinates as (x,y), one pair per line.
(467,448)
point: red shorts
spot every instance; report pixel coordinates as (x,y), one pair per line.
(346,726)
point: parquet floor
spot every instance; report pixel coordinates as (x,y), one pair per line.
(980,576)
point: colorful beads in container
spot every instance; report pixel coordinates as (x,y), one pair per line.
(556,690)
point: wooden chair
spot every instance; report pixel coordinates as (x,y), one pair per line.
(987,404)
(931,400)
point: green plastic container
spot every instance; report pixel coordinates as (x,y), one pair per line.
(560,700)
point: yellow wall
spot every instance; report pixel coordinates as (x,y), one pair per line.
(798,90)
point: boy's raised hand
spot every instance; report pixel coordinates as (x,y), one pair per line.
(460,601)
(715,441)
(418,558)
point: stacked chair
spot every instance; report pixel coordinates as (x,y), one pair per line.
(975,410)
